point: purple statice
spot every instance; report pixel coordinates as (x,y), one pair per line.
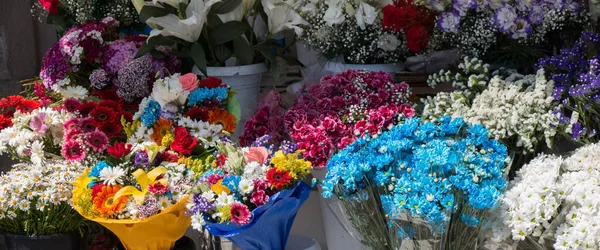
(149,207)
(226,139)
(55,66)
(449,21)
(262,141)
(141,159)
(99,79)
(577,131)
(200,204)
(288,147)
(133,79)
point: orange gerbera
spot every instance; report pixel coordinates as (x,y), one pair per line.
(161,128)
(222,117)
(105,202)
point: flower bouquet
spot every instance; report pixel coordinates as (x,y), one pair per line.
(552,204)
(91,59)
(250,195)
(140,184)
(35,207)
(331,115)
(427,185)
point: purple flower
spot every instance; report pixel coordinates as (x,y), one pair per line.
(149,207)
(506,18)
(38,123)
(437,5)
(98,79)
(118,54)
(536,15)
(262,141)
(199,204)
(577,131)
(141,159)
(449,21)
(55,66)
(463,6)
(288,147)
(133,79)
(522,29)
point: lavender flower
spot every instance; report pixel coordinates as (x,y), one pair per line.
(522,29)
(463,6)
(199,204)
(262,141)
(118,54)
(536,15)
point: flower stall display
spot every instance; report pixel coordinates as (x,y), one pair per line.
(514,33)
(140,179)
(366,32)
(553,203)
(266,121)
(332,114)
(64,14)
(576,87)
(15,103)
(35,207)
(91,60)
(250,195)
(429,185)
(516,109)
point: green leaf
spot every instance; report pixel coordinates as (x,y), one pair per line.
(213,21)
(266,52)
(199,57)
(222,52)
(242,50)
(233,105)
(227,32)
(152,11)
(225,6)
(151,43)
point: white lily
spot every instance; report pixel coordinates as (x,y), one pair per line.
(366,14)
(238,13)
(188,29)
(281,17)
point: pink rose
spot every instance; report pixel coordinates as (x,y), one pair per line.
(189,81)
(257,154)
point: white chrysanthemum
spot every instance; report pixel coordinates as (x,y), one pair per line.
(76,92)
(198,222)
(246,186)
(111,175)
(164,202)
(224,200)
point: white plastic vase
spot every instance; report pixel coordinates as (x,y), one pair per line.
(245,80)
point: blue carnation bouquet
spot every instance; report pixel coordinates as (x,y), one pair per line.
(421,185)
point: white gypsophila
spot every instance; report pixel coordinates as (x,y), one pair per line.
(519,110)
(531,200)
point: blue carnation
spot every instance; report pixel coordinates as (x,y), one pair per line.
(95,172)
(151,113)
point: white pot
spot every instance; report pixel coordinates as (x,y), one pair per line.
(298,242)
(245,80)
(338,66)
(306,55)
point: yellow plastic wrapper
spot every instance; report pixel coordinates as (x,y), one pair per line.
(158,232)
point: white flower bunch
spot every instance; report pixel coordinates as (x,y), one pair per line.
(351,29)
(554,198)
(35,136)
(28,186)
(516,110)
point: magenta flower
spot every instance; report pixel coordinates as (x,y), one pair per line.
(73,151)
(38,123)
(240,214)
(97,140)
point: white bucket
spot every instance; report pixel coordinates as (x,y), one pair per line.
(245,80)
(298,242)
(306,55)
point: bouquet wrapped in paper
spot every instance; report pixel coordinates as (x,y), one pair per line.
(251,195)
(138,188)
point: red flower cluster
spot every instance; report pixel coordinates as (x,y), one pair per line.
(104,115)
(330,115)
(10,104)
(50,5)
(416,21)
(119,150)
(266,121)
(184,143)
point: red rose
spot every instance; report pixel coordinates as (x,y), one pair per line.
(211,82)
(417,38)
(183,143)
(50,5)
(119,150)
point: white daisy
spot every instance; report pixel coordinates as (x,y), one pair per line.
(111,175)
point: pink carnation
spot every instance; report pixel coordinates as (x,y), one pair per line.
(214,178)
(259,198)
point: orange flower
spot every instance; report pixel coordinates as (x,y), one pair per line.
(222,117)
(161,128)
(105,203)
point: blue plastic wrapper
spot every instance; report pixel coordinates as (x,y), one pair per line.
(271,223)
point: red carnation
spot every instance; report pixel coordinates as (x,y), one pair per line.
(211,82)
(417,38)
(183,143)
(96,188)
(169,157)
(278,178)
(119,150)
(103,115)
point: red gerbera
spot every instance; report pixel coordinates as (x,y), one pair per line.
(26,106)
(108,94)
(198,114)
(87,124)
(278,178)
(103,115)
(85,108)
(10,101)
(211,82)
(5,121)
(111,129)
(71,104)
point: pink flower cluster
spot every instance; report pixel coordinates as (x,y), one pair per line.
(266,121)
(331,115)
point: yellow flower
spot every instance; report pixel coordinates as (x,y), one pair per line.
(144,179)
(129,127)
(198,166)
(167,139)
(152,150)
(80,184)
(225,213)
(298,168)
(219,188)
